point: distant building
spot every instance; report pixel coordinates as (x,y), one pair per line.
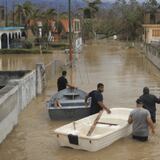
(76,32)
(8,35)
(152,27)
(151,17)
(61,30)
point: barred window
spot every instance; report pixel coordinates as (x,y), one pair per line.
(156,32)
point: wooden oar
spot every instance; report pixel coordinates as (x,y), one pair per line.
(95,123)
(110,124)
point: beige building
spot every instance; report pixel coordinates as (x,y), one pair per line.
(152,27)
(151,33)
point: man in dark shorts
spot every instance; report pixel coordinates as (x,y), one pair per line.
(141,120)
(97,100)
(149,102)
(62,82)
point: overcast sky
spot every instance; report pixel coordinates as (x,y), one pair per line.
(114,0)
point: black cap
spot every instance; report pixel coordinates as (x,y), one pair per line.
(139,101)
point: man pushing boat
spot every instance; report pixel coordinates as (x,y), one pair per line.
(141,120)
(149,102)
(97,100)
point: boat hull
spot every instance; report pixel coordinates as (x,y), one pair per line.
(93,145)
(103,136)
(72,105)
(69,114)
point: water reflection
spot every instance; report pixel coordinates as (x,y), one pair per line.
(123,71)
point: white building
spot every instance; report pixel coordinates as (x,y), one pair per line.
(7,34)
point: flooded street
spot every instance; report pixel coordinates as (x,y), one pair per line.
(124,73)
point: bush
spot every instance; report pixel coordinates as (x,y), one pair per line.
(23,51)
(27,45)
(60,45)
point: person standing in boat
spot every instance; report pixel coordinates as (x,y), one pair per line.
(141,120)
(62,82)
(149,102)
(97,100)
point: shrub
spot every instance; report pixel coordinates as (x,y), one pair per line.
(27,45)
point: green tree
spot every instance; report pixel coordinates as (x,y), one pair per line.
(92,8)
(24,12)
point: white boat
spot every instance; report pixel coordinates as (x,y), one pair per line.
(109,128)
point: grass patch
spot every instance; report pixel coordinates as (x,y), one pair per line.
(60,46)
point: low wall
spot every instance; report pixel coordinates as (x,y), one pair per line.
(14,97)
(26,88)
(151,52)
(9,109)
(17,89)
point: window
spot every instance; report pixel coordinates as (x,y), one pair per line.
(156,32)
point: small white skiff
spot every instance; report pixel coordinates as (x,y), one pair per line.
(108,129)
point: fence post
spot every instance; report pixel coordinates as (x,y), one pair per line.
(40,78)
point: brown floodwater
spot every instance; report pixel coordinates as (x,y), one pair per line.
(124,73)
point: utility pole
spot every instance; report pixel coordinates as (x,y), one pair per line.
(6,13)
(70,33)
(13,13)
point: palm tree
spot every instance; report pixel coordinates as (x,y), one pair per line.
(93,6)
(24,12)
(49,14)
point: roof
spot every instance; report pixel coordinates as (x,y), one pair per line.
(10,28)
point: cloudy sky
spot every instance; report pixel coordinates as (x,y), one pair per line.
(114,0)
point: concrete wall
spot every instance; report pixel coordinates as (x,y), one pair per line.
(14,97)
(26,88)
(151,52)
(18,89)
(9,109)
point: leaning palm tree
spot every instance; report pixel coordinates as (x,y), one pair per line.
(24,12)
(49,14)
(93,6)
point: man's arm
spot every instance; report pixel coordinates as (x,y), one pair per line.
(130,120)
(151,125)
(157,100)
(104,107)
(70,86)
(86,98)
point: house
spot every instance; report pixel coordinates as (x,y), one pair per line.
(76,33)
(60,30)
(8,35)
(152,27)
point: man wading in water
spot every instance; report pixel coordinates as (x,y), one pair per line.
(97,100)
(141,120)
(149,102)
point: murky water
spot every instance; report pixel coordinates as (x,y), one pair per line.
(124,73)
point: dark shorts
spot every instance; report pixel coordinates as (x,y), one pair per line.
(142,139)
(153,117)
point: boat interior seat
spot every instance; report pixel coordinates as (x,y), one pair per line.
(72,101)
(71,94)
